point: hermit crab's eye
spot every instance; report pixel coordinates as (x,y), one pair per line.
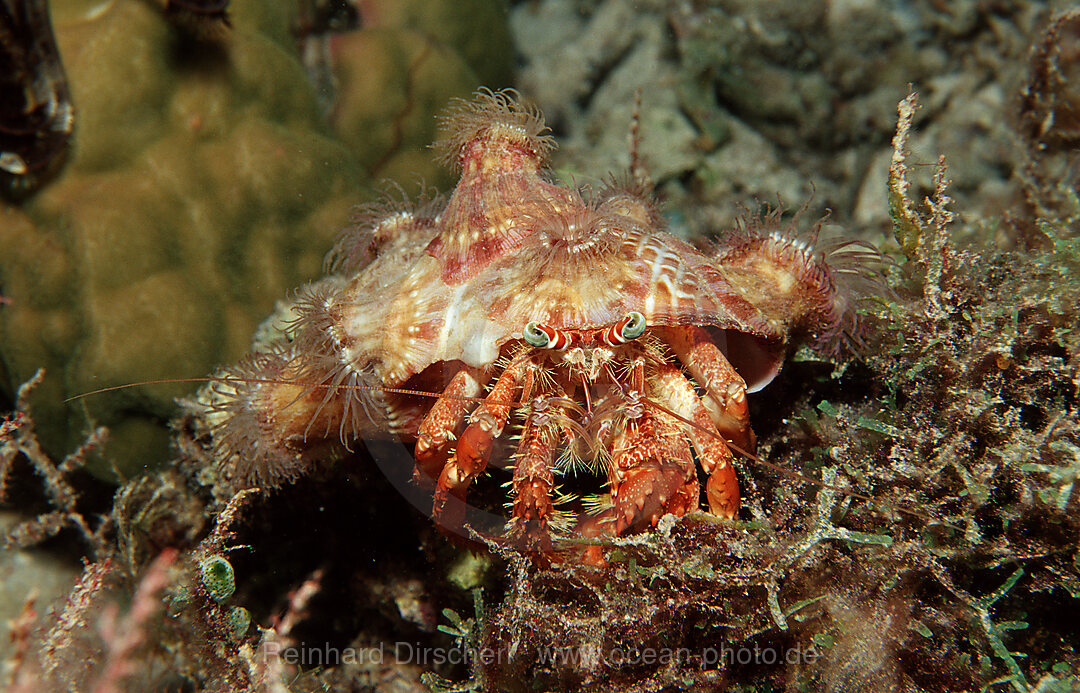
(536,335)
(545,336)
(633,325)
(630,327)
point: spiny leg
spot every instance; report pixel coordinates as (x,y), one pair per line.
(473,449)
(673,390)
(533,485)
(438,430)
(725,389)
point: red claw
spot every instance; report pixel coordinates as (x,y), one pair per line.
(474,450)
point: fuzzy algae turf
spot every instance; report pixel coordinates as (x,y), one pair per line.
(203,182)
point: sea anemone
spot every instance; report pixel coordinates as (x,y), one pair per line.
(816,283)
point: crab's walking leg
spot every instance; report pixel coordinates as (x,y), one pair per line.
(674,391)
(439,428)
(470,457)
(725,389)
(533,485)
(651,473)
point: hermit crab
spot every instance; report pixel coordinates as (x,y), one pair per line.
(524,324)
